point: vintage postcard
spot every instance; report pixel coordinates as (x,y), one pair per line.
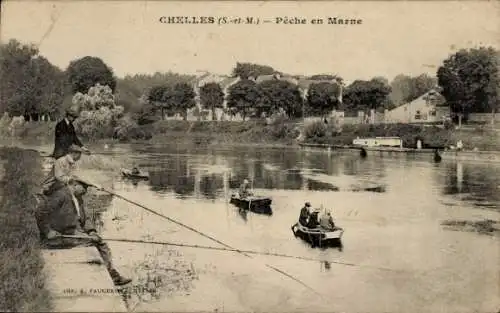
(250,156)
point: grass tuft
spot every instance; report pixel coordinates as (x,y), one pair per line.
(22,282)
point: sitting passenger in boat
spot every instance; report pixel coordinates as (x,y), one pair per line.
(135,171)
(245,189)
(326,221)
(313,219)
(304,214)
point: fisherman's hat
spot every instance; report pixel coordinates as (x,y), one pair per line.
(75,148)
(84,182)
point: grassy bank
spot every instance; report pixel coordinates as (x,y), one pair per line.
(481,138)
(21,264)
(283,133)
(224,132)
(174,131)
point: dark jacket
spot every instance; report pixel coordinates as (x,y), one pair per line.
(313,220)
(58,212)
(65,136)
(304,215)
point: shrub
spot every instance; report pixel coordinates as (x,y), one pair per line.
(127,129)
(100,115)
(98,124)
(317,129)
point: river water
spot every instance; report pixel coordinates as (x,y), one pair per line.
(403,259)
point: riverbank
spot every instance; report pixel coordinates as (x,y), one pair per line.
(23,285)
(280,133)
(481,138)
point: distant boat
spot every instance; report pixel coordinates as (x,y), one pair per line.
(261,205)
(318,237)
(378,142)
(130,174)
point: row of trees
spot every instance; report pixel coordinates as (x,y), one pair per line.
(246,98)
(31,86)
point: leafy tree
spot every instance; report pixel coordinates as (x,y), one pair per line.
(322,98)
(406,88)
(365,95)
(98,96)
(211,96)
(88,71)
(275,95)
(183,98)
(245,70)
(323,77)
(100,114)
(145,114)
(141,83)
(50,80)
(15,70)
(161,97)
(29,84)
(469,80)
(243,97)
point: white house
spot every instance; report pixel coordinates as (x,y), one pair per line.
(429,107)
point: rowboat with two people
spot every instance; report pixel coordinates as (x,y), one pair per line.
(135,173)
(246,200)
(317,231)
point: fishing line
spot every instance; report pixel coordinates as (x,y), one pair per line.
(211,238)
(281,255)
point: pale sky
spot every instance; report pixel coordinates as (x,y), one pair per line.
(394,37)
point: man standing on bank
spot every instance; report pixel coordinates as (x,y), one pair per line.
(65,134)
(64,214)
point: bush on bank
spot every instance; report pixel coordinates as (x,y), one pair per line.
(22,285)
(431,136)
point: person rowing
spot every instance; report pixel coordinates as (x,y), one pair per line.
(245,191)
(313,221)
(304,214)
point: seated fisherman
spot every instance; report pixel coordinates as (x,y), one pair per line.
(62,170)
(304,214)
(245,189)
(136,171)
(326,221)
(313,219)
(64,214)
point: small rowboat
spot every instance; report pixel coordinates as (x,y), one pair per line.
(318,236)
(254,204)
(129,174)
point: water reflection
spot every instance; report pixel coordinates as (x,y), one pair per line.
(211,173)
(187,176)
(477,183)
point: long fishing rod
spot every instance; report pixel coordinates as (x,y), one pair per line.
(49,155)
(211,238)
(167,243)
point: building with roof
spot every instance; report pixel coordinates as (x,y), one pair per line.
(429,107)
